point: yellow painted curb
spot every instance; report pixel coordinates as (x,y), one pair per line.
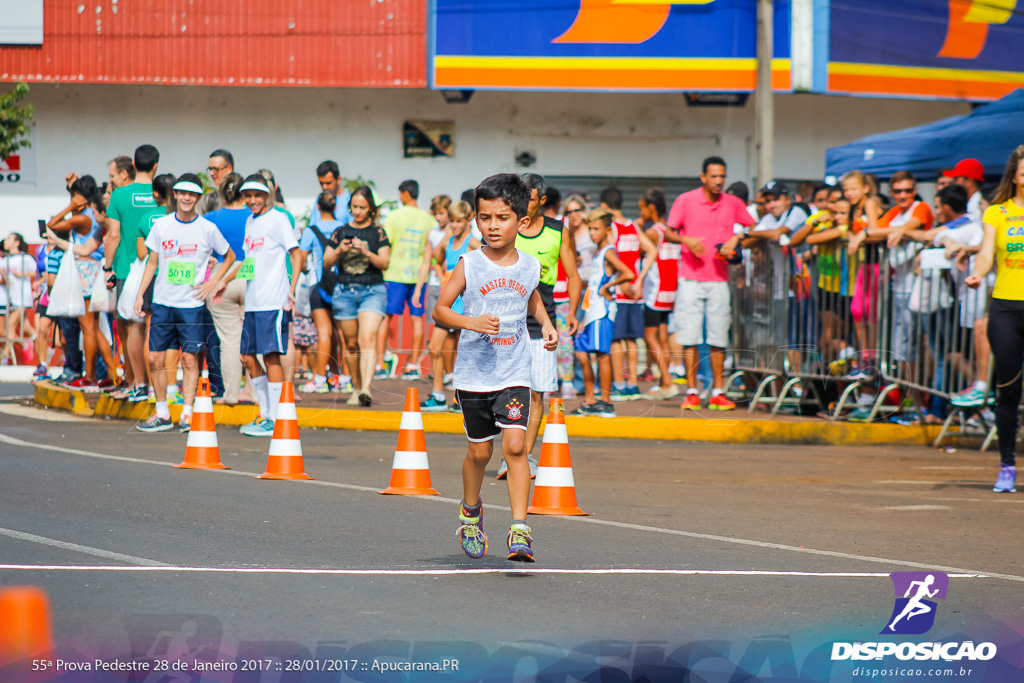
(52,396)
(718,430)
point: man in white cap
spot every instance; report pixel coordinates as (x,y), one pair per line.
(269,298)
(180,245)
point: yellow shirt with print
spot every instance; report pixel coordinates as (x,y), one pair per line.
(1008,220)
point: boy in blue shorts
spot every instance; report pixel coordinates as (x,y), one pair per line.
(498,286)
(269,298)
(606,272)
(179,246)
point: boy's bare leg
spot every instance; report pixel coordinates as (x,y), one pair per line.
(513,447)
(604,366)
(477,457)
(588,376)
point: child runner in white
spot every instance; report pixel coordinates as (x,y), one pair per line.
(179,246)
(498,285)
(269,298)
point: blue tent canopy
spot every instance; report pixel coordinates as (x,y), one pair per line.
(988,134)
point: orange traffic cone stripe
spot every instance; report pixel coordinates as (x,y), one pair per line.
(410,469)
(285,456)
(554,492)
(25,627)
(202,451)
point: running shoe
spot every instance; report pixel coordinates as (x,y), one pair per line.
(586,410)
(603,409)
(411,373)
(434,405)
(390,364)
(647,375)
(83,384)
(471,532)
(692,401)
(1007,481)
(106,384)
(720,402)
(185,424)
(519,542)
(679,378)
(138,394)
(503,468)
(659,394)
(456,408)
(381,373)
(41,373)
(619,395)
(972,398)
(502,471)
(860,414)
(260,427)
(633,393)
(448,379)
(313,387)
(63,378)
(155,423)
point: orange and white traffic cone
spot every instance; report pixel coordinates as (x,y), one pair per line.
(554,492)
(410,471)
(25,628)
(202,451)
(285,461)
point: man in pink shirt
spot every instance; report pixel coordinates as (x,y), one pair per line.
(702,220)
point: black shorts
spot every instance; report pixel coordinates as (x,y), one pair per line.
(147,297)
(317,302)
(485,414)
(41,310)
(629,322)
(653,318)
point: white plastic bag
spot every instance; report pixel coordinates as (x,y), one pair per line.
(303,308)
(126,304)
(101,300)
(66,298)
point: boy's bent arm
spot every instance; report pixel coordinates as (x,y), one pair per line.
(567,255)
(446,317)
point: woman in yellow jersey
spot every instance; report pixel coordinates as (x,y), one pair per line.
(1004,246)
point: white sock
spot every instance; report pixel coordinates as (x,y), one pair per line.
(171,391)
(716,392)
(274,389)
(319,379)
(186,412)
(440,396)
(162,411)
(981,386)
(259,384)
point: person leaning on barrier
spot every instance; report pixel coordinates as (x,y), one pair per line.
(1003,245)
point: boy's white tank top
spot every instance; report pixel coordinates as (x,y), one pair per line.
(493,363)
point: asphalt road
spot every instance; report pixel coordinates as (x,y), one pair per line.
(754,547)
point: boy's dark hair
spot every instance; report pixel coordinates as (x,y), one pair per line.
(187,178)
(84,187)
(411,187)
(508,187)
(823,186)
(225,155)
(327,201)
(535,181)
(231,188)
(656,198)
(99,198)
(163,186)
(124,164)
(612,198)
(552,197)
(955,197)
(469,196)
(326,167)
(712,161)
(739,190)
(146,158)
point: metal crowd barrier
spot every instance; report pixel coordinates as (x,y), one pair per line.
(896,324)
(12,333)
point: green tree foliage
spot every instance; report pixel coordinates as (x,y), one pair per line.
(15,119)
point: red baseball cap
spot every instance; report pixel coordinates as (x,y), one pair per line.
(967,168)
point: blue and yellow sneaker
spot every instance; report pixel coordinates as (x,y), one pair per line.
(519,541)
(471,533)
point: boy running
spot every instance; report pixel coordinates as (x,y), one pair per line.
(498,284)
(269,298)
(606,273)
(179,246)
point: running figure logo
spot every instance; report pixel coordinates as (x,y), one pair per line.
(913,614)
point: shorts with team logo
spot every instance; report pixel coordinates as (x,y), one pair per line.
(485,414)
(265,332)
(176,328)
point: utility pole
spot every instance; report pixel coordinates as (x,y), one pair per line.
(764,112)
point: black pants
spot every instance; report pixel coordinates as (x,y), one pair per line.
(1006,336)
(74,363)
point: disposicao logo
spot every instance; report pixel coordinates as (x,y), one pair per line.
(913,614)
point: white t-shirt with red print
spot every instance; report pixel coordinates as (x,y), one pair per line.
(184,251)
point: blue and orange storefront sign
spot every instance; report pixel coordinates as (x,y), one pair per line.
(956,49)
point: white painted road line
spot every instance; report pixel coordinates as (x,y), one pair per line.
(98,552)
(582,520)
(456,572)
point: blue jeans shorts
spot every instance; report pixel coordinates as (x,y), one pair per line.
(351,300)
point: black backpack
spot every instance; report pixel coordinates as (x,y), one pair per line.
(328,279)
